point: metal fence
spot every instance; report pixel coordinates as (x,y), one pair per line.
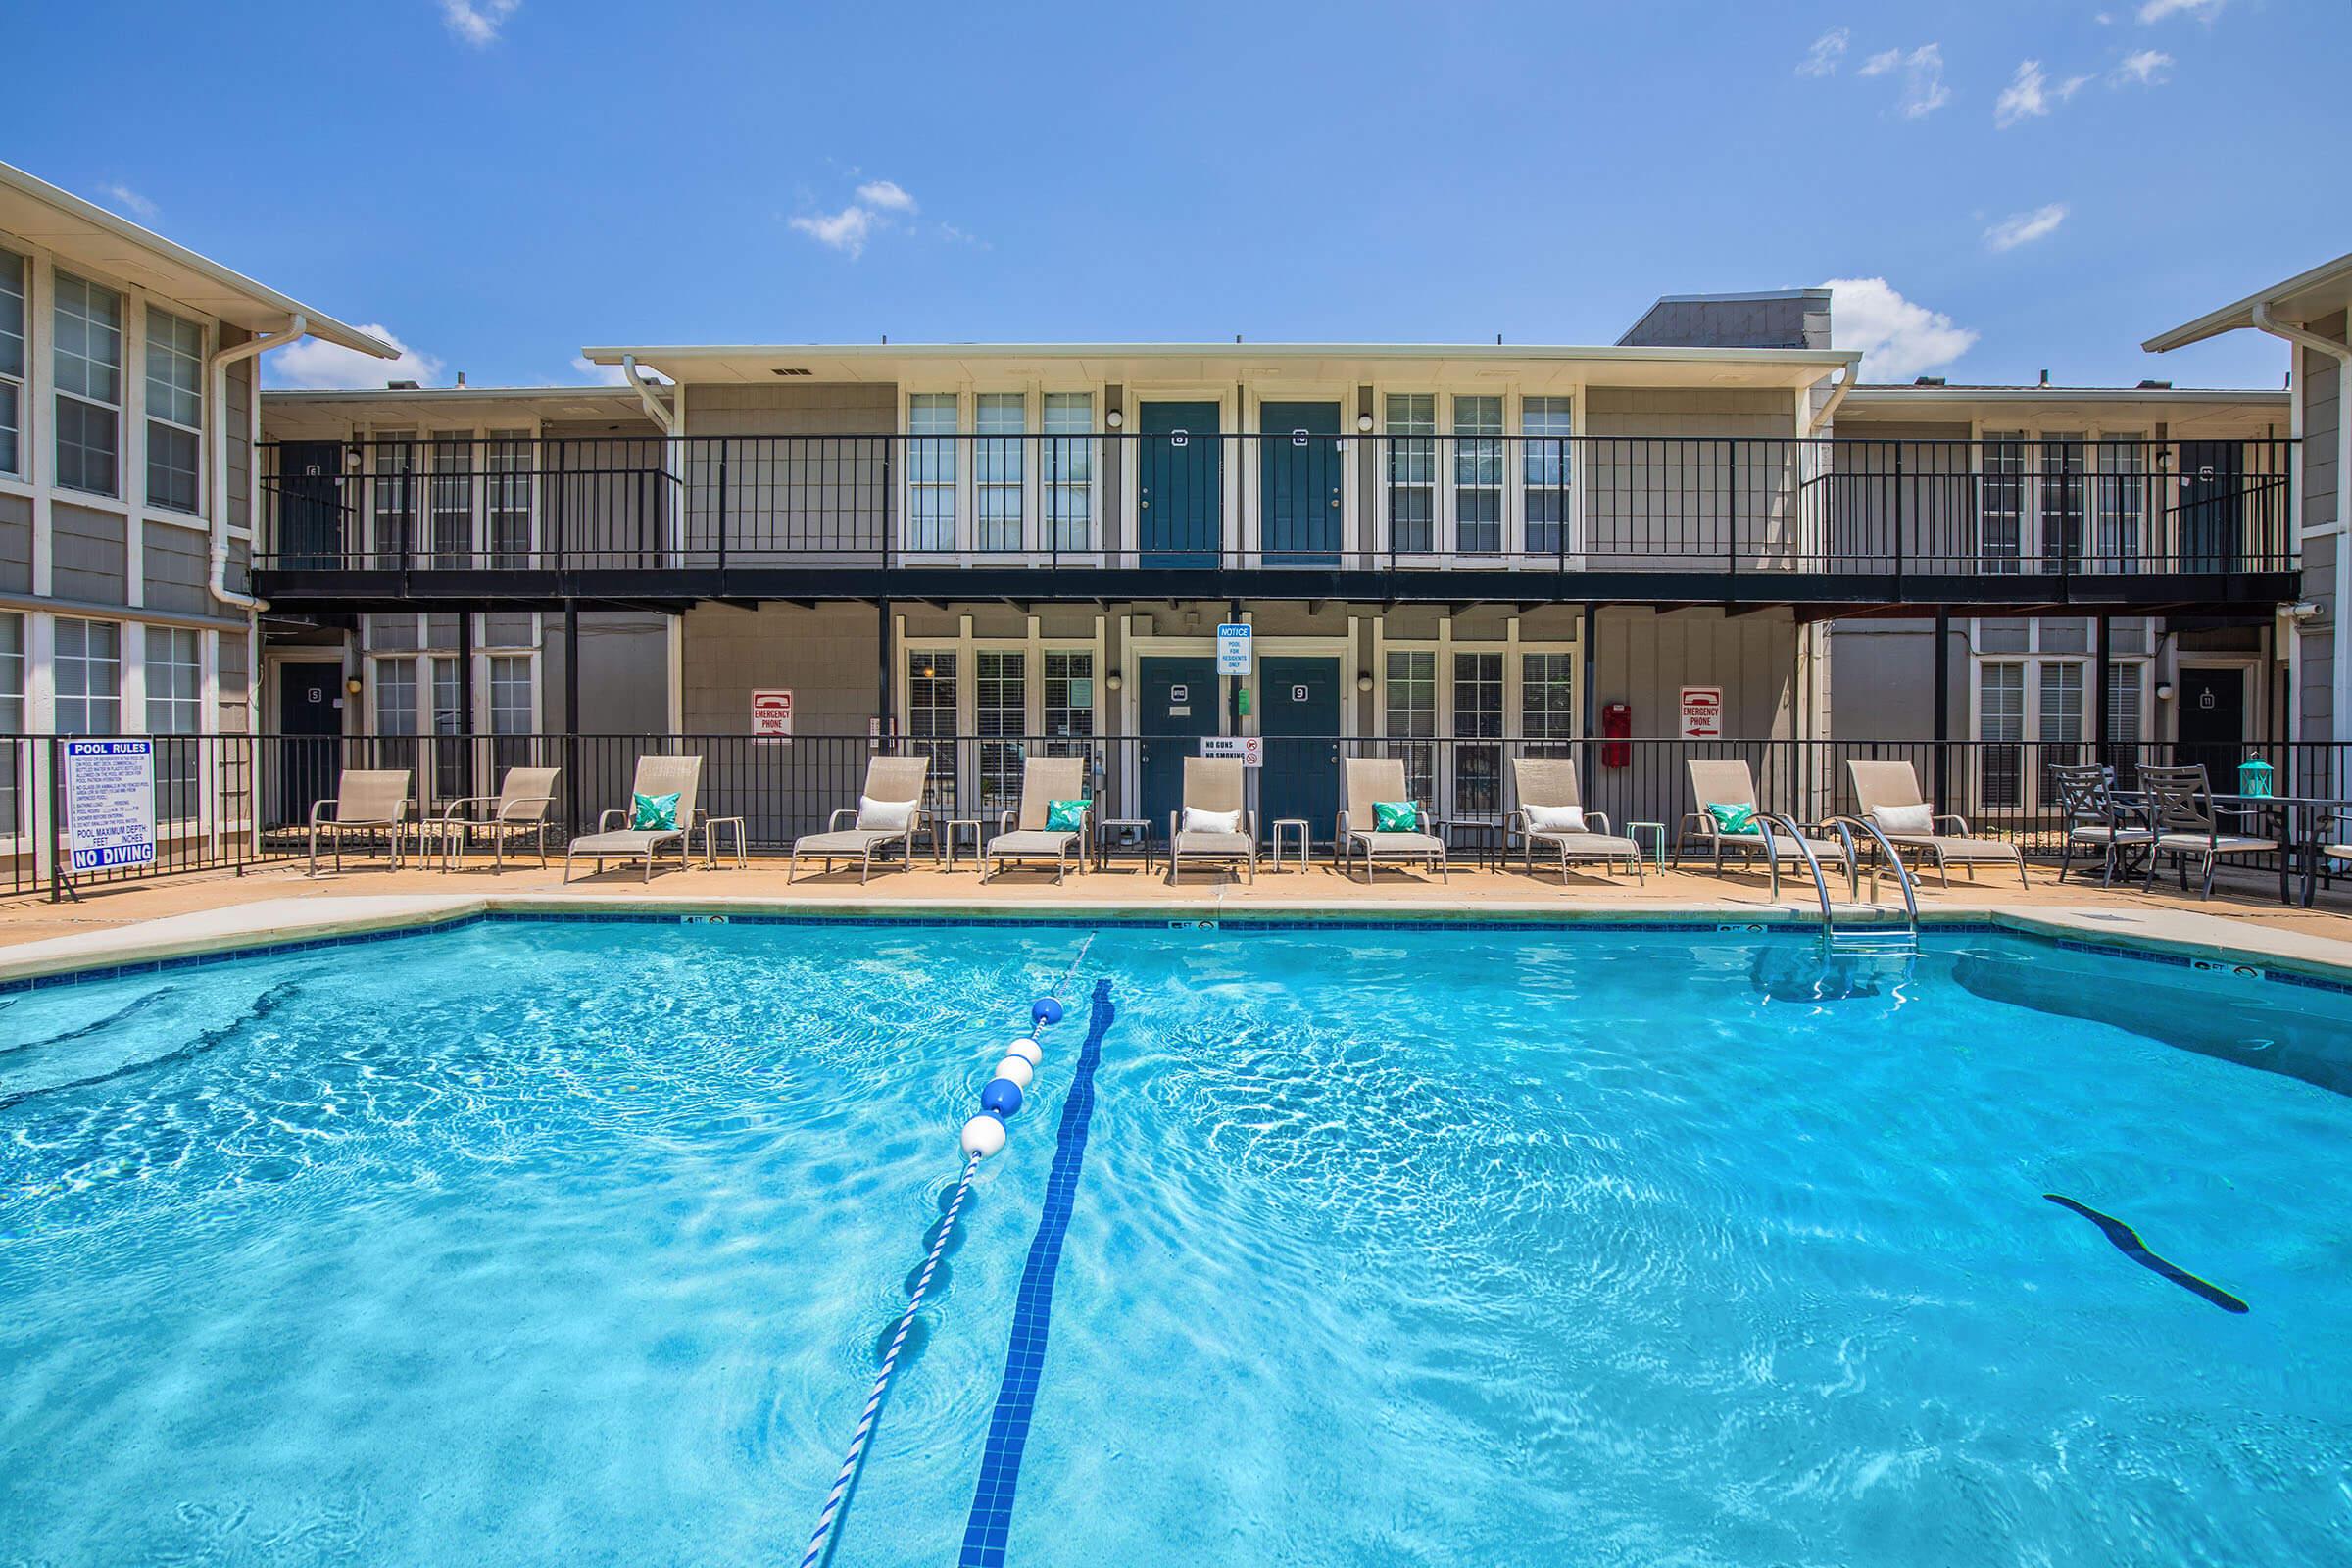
(232,802)
(2000,507)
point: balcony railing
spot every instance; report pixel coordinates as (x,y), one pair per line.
(1388,503)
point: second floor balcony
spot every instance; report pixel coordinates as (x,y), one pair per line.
(2005,518)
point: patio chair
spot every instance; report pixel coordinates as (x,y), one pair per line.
(521,804)
(2096,821)
(2187,823)
(657,778)
(1732,784)
(1550,791)
(366,800)
(888,810)
(1371,783)
(1889,795)
(1213,822)
(1045,780)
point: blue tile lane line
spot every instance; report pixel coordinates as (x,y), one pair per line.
(991,1521)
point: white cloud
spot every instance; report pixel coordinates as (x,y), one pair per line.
(478,21)
(2024,228)
(2032,92)
(844,231)
(1822,58)
(885,196)
(1898,339)
(598,374)
(313,365)
(131,201)
(2143,68)
(1924,91)
(2202,9)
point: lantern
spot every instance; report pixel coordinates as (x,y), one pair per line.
(2254,777)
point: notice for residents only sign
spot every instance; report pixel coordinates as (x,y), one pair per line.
(110,805)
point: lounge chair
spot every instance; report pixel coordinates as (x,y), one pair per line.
(1213,785)
(888,810)
(1044,780)
(2095,820)
(1889,795)
(2187,823)
(1373,782)
(1549,787)
(657,776)
(366,800)
(1730,783)
(521,804)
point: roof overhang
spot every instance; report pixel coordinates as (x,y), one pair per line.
(329,414)
(1220,363)
(2300,300)
(84,235)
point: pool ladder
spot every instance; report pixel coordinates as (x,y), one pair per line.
(1873,939)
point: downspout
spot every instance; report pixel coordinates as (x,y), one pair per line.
(655,409)
(215,388)
(2339,707)
(1846,384)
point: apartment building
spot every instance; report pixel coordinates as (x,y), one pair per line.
(1447,549)
(128,493)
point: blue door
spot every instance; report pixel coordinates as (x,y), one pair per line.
(1299,468)
(1179,705)
(1180,484)
(1300,717)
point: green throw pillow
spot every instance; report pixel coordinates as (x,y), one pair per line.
(1734,818)
(653,814)
(1395,817)
(1065,816)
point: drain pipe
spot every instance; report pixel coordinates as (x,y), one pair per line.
(2341,650)
(1846,384)
(653,407)
(216,389)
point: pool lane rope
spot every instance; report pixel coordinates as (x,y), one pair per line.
(981,1137)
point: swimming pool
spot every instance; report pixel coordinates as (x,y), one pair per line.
(531,1242)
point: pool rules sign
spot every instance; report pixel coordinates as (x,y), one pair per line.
(109,804)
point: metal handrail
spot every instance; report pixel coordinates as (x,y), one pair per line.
(1886,851)
(1821,883)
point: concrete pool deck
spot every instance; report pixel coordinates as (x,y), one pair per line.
(174,916)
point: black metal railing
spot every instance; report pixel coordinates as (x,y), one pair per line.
(232,802)
(1390,502)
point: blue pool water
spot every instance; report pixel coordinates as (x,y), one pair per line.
(536,1243)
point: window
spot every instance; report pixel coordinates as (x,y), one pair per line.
(1412,429)
(2124,684)
(1545,465)
(2002,507)
(509,710)
(450,498)
(88,670)
(1000,710)
(2061,726)
(88,363)
(1547,701)
(1477,715)
(1069,471)
(508,497)
(2061,499)
(12,360)
(11,722)
(396,713)
(931,702)
(1069,695)
(174,411)
(450,721)
(1412,717)
(2001,730)
(1476,475)
(997,469)
(931,470)
(2120,503)
(393,486)
(174,701)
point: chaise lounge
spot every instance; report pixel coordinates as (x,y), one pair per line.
(1212,823)
(1053,791)
(1551,815)
(889,810)
(1729,817)
(1889,795)
(1365,829)
(661,812)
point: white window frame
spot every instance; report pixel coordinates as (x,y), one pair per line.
(1446,552)
(2032,659)
(1513,647)
(120,409)
(156,417)
(18,382)
(963,545)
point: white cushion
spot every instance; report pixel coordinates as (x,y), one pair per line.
(1196,820)
(884,816)
(1919,818)
(1555,819)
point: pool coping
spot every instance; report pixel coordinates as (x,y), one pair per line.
(293,924)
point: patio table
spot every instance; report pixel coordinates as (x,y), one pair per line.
(2292,813)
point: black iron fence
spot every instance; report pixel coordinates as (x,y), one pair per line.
(1998,506)
(230,803)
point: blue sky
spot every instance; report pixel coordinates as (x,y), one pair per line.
(2013,187)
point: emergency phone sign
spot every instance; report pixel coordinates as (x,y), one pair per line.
(109,804)
(771,715)
(1702,712)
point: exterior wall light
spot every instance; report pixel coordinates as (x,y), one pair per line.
(1112,681)
(1364,681)
(352,686)
(1363,424)
(2164,691)
(1114,418)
